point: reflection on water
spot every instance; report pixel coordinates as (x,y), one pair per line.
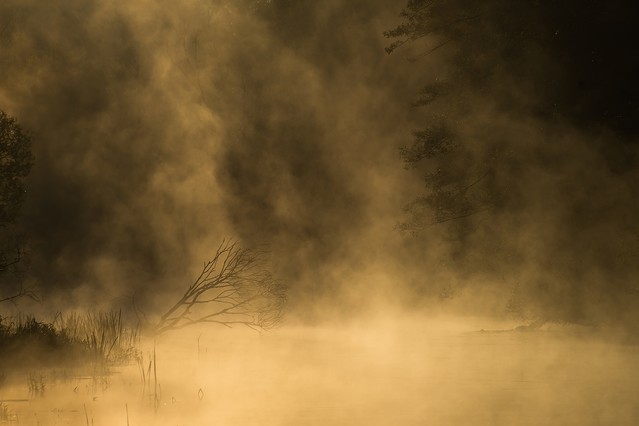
(413,373)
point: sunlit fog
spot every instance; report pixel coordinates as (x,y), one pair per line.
(295,212)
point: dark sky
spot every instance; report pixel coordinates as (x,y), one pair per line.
(161,127)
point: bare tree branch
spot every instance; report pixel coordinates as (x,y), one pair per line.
(22,292)
(234,287)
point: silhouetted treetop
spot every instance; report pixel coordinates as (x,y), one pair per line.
(576,57)
(15,164)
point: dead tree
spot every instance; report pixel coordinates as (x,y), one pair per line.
(234,287)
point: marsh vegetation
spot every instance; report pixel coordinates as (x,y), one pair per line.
(68,340)
(492,280)
(385,372)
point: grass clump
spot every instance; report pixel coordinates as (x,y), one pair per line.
(104,334)
(68,339)
(26,341)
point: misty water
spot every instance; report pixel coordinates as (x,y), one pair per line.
(500,136)
(412,371)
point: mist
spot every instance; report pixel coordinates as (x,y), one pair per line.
(159,129)
(493,270)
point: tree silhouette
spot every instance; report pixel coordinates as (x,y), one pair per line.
(234,288)
(532,102)
(15,164)
(555,61)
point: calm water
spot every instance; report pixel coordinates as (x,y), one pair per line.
(413,373)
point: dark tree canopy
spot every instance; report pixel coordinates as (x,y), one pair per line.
(15,164)
(575,57)
(529,149)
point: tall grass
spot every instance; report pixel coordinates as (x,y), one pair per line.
(104,334)
(101,337)
(150,385)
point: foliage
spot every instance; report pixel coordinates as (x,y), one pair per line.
(15,164)
(543,59)
(462,173)
(529,146)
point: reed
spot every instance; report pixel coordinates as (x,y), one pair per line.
(104,334)
(149,377)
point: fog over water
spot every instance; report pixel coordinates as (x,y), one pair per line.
(160,128)
(411,371)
